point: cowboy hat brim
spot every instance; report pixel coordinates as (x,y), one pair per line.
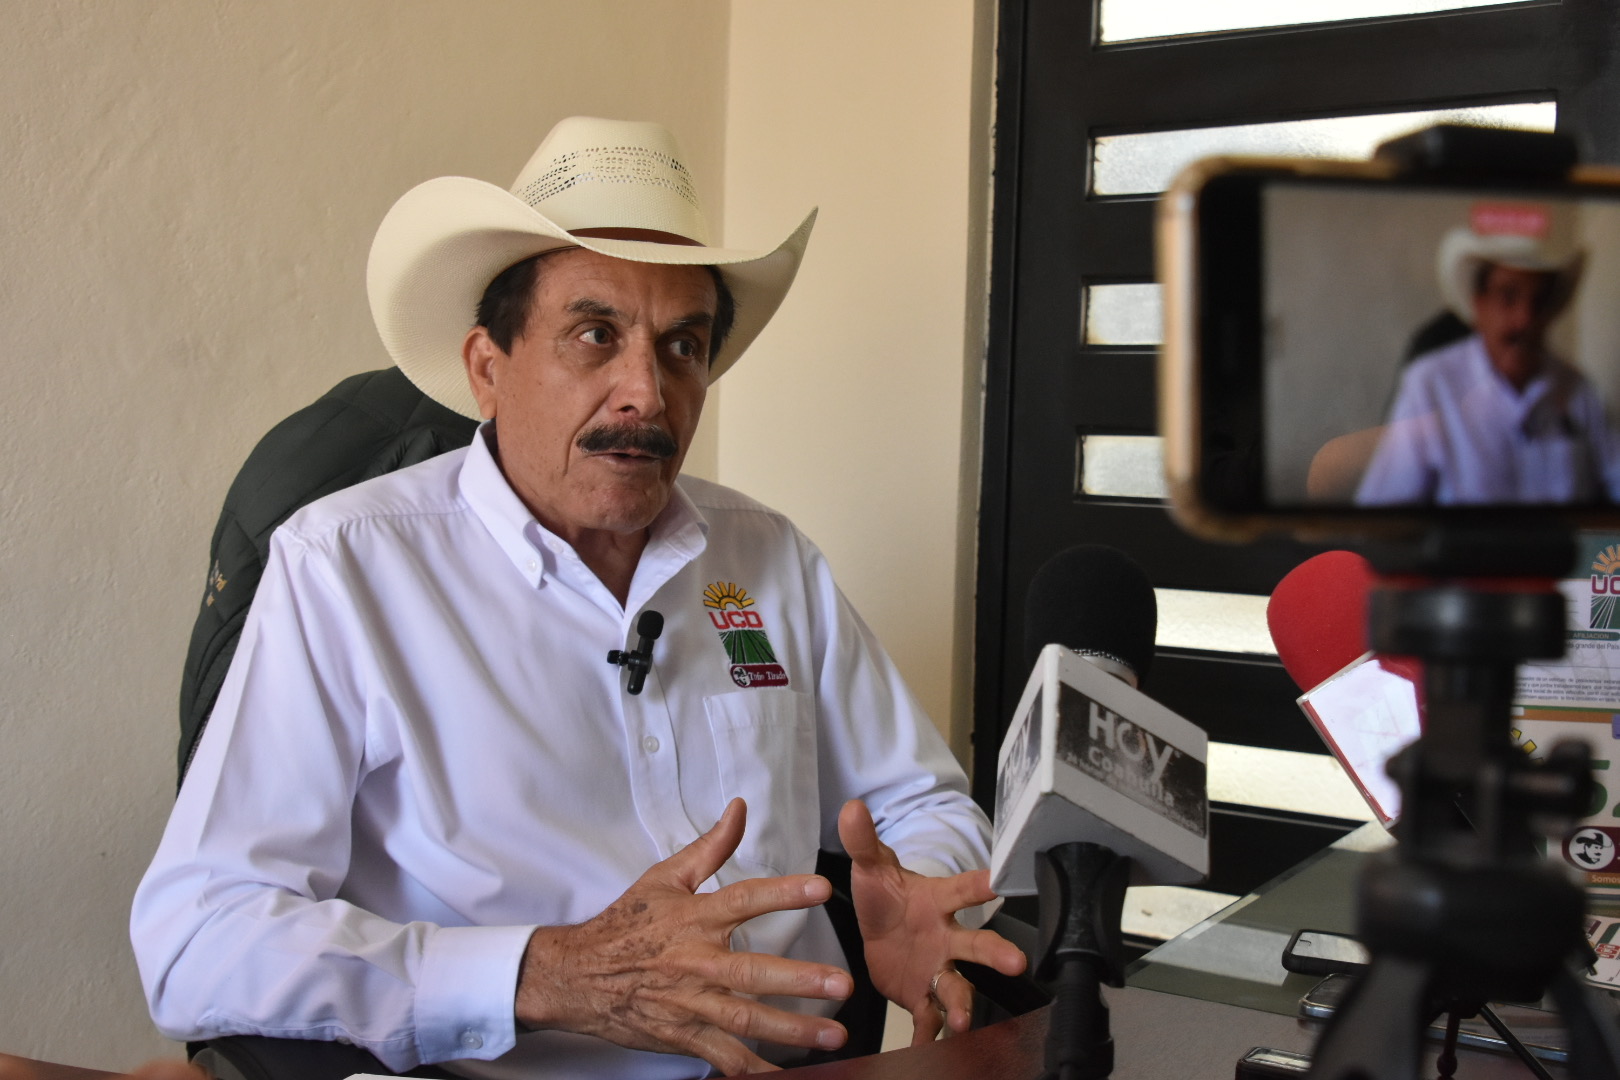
(444,241)
(1463,251)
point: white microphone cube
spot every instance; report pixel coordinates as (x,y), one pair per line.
(1089,757)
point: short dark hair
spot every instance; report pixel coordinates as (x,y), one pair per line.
(504,308)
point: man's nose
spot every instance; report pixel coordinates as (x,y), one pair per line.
(1523,313)
(640,386)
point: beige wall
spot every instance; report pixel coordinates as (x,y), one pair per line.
(187,192)
(857,410)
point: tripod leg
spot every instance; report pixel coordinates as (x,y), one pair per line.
(1377,1032)
(1446,1063)
(1514,1044)
(1594,1027)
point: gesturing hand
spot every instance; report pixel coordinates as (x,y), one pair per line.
(908,923)
(655,971)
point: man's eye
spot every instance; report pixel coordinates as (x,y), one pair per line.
(596,335)
(686,348)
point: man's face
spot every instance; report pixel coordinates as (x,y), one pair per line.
(1511,313)
(596,404)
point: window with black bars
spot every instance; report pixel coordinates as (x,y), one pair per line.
(1098,104)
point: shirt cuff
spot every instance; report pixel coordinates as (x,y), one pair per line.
(465,996)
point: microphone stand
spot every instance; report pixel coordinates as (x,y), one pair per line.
(1082,894)
(1457,916)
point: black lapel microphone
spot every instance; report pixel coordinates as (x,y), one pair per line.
(639,659)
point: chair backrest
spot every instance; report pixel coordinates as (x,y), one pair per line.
(367,425)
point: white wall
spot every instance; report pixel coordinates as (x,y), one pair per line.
(856,412)
(187,194)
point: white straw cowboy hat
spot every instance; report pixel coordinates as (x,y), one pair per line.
(1464,250)
(445,240)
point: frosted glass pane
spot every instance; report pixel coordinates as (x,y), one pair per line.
(1144,163)
(1283,780)
(1220,622)
(1122,466)
(1123,315)
(1134,20)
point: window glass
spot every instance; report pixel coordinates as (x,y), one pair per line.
(1121,467)
(1283,780)
(1137,20)
(1122,315)
(1217,622)
(1146,162)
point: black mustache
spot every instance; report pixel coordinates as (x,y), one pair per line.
(613,438)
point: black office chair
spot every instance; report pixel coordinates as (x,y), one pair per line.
(1440,331)
(367,425)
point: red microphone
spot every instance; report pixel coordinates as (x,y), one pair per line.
(1318,616)
(1365,708)
(1318,620)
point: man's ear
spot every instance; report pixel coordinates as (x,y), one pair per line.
(480,353)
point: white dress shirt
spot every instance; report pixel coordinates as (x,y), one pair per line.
(420,754)
(1460,433)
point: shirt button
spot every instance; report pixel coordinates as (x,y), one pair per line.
(650,744)
(471,1040)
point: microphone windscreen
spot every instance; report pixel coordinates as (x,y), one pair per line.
(1094,599)
(1318,615)
(651,624)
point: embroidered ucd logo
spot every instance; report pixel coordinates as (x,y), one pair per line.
(742,632)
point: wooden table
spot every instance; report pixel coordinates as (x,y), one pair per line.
(16,1068)
(1010,1050)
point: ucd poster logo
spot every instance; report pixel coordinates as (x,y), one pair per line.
(1605,611)
(742,632)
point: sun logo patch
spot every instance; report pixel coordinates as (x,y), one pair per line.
(742,633)
(1605,608)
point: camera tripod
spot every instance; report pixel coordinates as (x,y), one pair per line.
(1465,911)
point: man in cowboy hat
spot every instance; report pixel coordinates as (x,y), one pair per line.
(427,818)
(1496,417)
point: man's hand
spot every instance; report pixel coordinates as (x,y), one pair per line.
(908,923)
(655,971)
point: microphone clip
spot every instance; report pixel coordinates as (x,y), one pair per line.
(639,659)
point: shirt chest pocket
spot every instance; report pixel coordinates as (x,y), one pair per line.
(765,748)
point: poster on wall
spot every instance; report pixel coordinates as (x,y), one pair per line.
(1578,697)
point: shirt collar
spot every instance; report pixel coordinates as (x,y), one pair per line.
(492,499)
(679,533)
(1534,391)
